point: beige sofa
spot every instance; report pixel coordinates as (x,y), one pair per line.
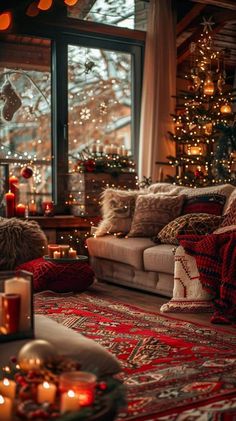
(138,262)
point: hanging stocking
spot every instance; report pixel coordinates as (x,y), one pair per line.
(12,101)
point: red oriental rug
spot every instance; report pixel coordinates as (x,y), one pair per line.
(173,370)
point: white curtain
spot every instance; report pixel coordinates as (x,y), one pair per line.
(159,85)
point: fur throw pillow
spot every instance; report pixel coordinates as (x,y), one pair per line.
(117,211)
(20,241)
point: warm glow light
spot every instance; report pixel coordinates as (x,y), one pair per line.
(208,87)
(225,109)
(70,2)
(5,20)
(44,4)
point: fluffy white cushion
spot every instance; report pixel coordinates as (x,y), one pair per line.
(117,210)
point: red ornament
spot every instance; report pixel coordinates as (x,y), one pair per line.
(26,172)
(198,174)
(90,165)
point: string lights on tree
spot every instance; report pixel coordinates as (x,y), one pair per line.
(205,131)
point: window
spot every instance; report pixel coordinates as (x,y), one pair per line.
(73,90)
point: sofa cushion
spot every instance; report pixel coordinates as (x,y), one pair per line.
(223,189)
(159,258)
(204,203)
(153,212)
(192,223)
(117,211)
(230,216)
(125,250)
(166,188)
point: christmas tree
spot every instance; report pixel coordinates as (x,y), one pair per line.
(205,129)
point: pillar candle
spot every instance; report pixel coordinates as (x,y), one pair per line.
(10,204)
(14,186)
(21,286)
(69,402)
(56,255)
(20,210)
(8,388)
(52,248)
(32,208)
(5,408)
(72,253)
(46,392)
(64,249)
(11,304)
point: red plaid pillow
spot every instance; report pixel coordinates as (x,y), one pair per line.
(59,277)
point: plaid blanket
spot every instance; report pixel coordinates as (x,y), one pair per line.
(215,256)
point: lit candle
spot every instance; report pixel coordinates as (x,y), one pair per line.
(46,392)
(56,255)
(64,249)
(121,150)
(8,388)
(32,208)
(11,304)
(93,148)
(22,287)
(72,253)
(20,210)
(69,402)
(80,382)
(52,248)
(48,208)
(14,186)
(5,408)
(100,148)
(108,150)
(10,204)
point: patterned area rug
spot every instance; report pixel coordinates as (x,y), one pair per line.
(173,370)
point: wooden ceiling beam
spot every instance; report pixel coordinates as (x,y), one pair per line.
(189,17)
(226,4)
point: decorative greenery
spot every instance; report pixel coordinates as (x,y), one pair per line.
(104,162)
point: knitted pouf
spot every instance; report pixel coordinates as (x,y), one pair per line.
(59,277)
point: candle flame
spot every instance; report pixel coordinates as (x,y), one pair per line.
(1,400)
(46,385)
(71,393)
(6,382)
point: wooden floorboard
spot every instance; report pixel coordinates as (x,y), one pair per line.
(153,302)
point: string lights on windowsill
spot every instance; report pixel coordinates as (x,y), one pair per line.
(32,10)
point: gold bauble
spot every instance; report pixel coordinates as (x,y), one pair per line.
(225,109)
(34,354)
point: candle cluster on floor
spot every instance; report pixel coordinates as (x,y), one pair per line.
(15,306)
(49,387)
(61,251)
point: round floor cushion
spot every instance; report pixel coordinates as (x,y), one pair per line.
(59,277)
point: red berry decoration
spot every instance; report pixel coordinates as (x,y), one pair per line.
(26,172)
(102,386)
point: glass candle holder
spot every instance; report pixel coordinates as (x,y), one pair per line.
(82,383)
(48,208)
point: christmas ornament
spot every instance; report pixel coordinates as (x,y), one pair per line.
(26,172)
(220,83)
(198,174)
(208,87)
(196,82)
(90,165)
(12,101)
(34,354)
(225,109)
(207,24)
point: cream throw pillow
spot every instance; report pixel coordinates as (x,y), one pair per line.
(117,211)
(153,212)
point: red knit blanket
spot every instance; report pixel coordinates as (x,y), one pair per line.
(215,256)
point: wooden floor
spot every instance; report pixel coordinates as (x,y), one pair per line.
(153,302)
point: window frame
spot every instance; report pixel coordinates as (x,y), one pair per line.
(63,32)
